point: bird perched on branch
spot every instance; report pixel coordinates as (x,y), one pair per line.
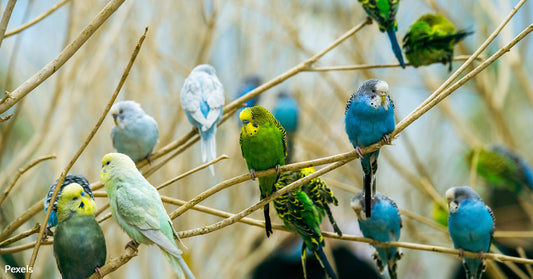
(431,39)
(369,117)
(301,215)
(501,167)
(202,99)
(264,145)
(286,112)
(136,206)
(384,226)
(316,189)
(79,243)
(69,179)
(471,226)
(135,133)
(384,13)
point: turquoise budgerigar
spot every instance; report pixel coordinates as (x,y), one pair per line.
(202,99)
(369,117)
(136,206)
(431,39)
(300,215)
(471,225)
(317,190)
(287,113)
(384,13)
(70,178)
(79,243)
(135,133)
(384,226)
(264,145)
(501,167)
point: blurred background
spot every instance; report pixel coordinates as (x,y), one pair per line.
(264,39)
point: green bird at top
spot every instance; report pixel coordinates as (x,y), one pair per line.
(384,13)
(431,39)
(264,145)
(317,190)
(79,243)
(301,215)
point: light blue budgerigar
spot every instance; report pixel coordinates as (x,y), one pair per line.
(471,226)
(69,179)
(369,117)
(202,99)
(135,133)
(383,226)
(286,112)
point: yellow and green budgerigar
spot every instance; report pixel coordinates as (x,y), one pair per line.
(79,243)
(316,189)
(431,39)
(384,13)
(301,215)
(264,145)
(136,206)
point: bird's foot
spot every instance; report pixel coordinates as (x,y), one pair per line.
(461,252)
(480,255)
(149,158)
(47,232)
(133,245)
(278,169)
(359,151)
(387,139)
(97,270)
(252,172)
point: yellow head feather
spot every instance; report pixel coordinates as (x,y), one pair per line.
(74,201)
(112,161)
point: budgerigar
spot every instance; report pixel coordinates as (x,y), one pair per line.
(316,189)
(70,178)
(202,99)
(369,117)
(300,215)
(384,226)
(501,167)
(79,243)
(471,226)
(136,206)
(384,13)
(431,39)
(264,146)
(135,133)
(286,112)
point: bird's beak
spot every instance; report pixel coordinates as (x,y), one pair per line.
(115,119)
(383,99)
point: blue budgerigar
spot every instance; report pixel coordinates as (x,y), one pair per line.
(286,112)
(369,117)
(69,179)
(471,226)
(384,13)
(202,99)
(135,133)
(383,226)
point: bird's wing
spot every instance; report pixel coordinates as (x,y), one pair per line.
(191,99)
(113,134)
(162,241)
(137,209)
(301,213)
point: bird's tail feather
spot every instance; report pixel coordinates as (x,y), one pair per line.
(209,147)
(179,265)
(319,254)
(396,47)
(392,264)
(473,267)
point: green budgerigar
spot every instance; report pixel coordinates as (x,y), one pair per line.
(317,190)
(300,215)
(384,13)
(79,244)
(264,145)
(136,206)
(431,39)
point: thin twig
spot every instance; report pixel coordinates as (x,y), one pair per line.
(63,57)
(522,254)
(20,236)
(5,20)
(36,20)
(21,172)
(85,143)
(23,218)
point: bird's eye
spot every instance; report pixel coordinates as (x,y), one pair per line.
(120,111)
(75,198)
(107,163)
(373,91)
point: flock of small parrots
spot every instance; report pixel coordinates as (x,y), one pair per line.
(266,142)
